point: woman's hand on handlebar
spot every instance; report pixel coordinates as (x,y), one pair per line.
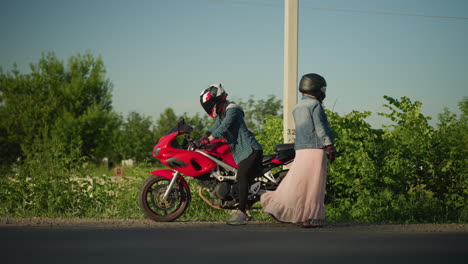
(205,140)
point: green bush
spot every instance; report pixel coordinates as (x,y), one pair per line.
(271,134)
(51,183)
(407,172)
(42,185)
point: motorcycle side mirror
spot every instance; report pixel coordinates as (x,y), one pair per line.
(180,123)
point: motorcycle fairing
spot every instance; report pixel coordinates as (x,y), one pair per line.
(184,161)
(220,148)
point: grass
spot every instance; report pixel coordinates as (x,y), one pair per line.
(95,192)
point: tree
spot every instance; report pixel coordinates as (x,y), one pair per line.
(71,103)
(199,123)
(165,122)
(135,137)
(256,110)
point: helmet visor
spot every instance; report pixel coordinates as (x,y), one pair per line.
(209,107)
(323,89)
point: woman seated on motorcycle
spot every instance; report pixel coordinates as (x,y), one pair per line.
(246,150)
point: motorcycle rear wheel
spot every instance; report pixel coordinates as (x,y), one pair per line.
(150,199)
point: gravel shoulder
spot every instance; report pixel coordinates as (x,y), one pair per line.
(221,226)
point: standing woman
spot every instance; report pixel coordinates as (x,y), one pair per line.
(300,196)
(246,150)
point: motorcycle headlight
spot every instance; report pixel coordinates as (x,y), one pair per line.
(156,151)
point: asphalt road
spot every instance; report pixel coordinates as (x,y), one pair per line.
(221,244)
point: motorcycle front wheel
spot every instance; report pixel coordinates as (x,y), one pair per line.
(152,204)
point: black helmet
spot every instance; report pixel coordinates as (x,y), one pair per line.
(313,84)
(212,99)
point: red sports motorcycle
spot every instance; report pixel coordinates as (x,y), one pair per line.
(165,195)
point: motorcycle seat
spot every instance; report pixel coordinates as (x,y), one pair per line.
(283,147)
(268,157)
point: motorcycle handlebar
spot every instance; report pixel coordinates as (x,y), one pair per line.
(194,144)
(202,144)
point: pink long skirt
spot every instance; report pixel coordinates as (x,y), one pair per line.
(301,194)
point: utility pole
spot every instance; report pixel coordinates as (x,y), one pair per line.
(290,68)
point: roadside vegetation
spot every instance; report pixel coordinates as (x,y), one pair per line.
(57,125)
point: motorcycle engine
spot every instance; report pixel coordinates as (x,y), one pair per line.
(224,190)
(221,190)
(235,191)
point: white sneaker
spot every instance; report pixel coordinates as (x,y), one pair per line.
(238,218)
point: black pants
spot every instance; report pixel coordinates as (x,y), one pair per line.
(246,170)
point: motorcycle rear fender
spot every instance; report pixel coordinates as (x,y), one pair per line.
(169,174)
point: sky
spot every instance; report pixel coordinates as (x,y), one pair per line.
(163,53)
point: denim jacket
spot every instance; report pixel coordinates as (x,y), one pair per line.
(312,128)
(233,128)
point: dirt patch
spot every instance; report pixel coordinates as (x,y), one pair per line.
(216,225)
